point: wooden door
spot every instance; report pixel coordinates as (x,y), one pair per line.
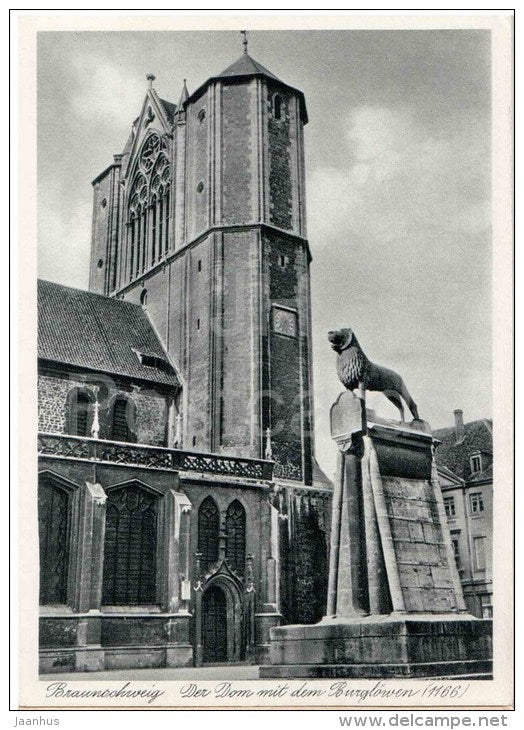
(214,625)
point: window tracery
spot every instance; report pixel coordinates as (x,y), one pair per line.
(148,217)
(236,536)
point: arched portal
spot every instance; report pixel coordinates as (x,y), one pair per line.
(214,625)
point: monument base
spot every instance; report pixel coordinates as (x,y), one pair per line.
(392,646)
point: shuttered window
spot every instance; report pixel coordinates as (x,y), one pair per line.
(236,536)
(130,547)
(208,530)
(122,420)
(79,412)
(53,528)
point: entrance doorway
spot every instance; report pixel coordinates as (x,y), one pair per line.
(214,625)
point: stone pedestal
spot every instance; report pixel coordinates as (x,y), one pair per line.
(395,606)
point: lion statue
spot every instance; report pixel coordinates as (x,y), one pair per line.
(356,371)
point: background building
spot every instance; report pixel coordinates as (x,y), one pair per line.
(465,466)
(181,510)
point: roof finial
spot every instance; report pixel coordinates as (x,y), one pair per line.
(244,42)
(150,78)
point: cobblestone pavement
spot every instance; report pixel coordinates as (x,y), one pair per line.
(162,674)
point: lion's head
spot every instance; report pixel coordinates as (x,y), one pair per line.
(340,339)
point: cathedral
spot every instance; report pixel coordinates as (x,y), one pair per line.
(182,513)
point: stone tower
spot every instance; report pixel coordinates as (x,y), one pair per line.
(202,220)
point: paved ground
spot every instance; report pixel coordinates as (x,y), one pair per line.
(179,674)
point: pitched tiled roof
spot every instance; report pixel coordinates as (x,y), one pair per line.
(86,330)
(246,66)
(456,456)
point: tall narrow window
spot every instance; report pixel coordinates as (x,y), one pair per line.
(138,241)
(79,412)
(153,230)
(208,531)
(122,420)
(476,502)
(136,219)
(166,240)
(132,242)
(130,547)
(53,529)
(449,506)
(148,205)
(144,239)
(160,228)
(236,536)
(277,106)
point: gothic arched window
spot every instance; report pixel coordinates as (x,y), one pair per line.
(79,412)
(208,531)
(130,547)
(148,216)
(54,507)
(236,536)
(122,420)
(137,224)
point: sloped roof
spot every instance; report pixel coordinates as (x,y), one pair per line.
(447,478)
(94,332)
(169,109)
(246,66)
(456,455)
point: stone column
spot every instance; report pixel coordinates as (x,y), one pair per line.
(86,567)
(347,587)
(174,545)
(174,599)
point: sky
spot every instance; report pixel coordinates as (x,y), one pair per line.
(397,177)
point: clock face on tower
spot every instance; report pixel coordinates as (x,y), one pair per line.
(284,322)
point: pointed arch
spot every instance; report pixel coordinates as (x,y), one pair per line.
(130,545)
(208,532)
(236,536)
(148,206)
(54,531)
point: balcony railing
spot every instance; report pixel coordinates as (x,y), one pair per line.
(151,457)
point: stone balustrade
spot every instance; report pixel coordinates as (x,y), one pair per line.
(151,457)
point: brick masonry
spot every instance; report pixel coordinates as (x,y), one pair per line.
(280,185)
(236,152)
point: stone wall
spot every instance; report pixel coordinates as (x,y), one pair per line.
(280,185)
(304,555)
(237,342)
(151,405)
(236,151)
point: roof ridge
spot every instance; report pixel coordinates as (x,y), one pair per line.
(89,293)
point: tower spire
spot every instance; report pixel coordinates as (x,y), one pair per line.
(244,41)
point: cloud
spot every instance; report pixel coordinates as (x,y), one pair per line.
(114,90)
(399,229)
(395,175)
(64,244)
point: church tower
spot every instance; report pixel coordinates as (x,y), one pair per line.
(202,220)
